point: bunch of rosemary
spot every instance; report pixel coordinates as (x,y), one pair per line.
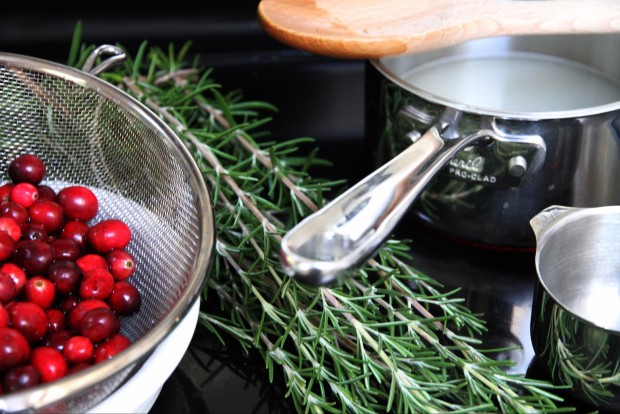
(386,340)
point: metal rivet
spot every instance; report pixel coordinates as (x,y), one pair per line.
(517,166)
(413,135)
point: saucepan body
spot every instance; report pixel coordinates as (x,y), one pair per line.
(560,93)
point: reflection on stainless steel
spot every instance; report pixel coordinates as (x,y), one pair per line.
(576,319)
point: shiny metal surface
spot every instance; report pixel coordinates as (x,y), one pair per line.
(575,323)
(476,198)
(348,231)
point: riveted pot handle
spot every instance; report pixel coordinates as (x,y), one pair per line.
(113,54)
(349,230)
(545,219)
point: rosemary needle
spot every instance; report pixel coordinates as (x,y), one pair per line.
(369,345)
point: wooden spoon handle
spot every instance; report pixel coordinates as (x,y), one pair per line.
(363,29)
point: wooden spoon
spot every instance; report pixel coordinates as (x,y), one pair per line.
(363,29)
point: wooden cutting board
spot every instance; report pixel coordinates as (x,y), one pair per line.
(362,29)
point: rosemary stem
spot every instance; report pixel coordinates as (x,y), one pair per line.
(363,331)
(262,158)
(208,154)
(467,367)
(270,346)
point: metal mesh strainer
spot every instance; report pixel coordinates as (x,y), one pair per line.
(91,133)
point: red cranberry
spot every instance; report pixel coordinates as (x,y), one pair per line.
(79,349)
(68,303)
(78,367)
(27,168)
(64,282)
(109,235)
(77,313)
(65,249)
(7,246)
(16,211)
(125,298)
(14,348)
(46,193)
(5,191)
(57,340)
(32,231)
(17,274)
(91,261)
(47,213)
(4,317)
(49,362)
(8,291)
(76,231)
(55,320)
(34,256)
(28,318)
(24,194)
(111,347)
(21,378)
(41,291)
(11,227)
(66,275)
(122,264)
(96,284)
(79,203)
(99,324)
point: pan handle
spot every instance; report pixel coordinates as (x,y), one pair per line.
(350,229)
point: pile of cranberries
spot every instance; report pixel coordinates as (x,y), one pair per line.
(64,279)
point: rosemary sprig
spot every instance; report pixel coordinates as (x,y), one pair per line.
(582,363)
(388,339)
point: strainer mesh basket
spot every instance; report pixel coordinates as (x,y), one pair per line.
(90,133)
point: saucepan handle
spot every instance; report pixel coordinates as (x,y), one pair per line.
(349,230)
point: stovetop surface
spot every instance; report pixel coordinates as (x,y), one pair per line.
(317,97)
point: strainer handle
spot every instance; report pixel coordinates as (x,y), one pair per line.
(116,56)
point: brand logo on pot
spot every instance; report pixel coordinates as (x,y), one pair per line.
(470,170)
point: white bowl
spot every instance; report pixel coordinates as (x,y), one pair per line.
(139,393)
